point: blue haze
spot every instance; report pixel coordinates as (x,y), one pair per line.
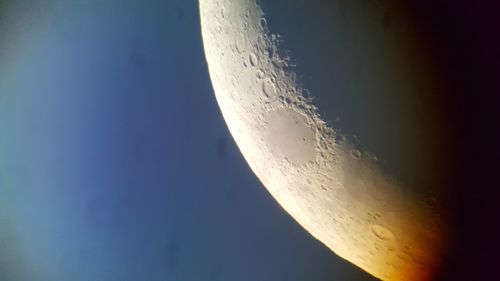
(115,162)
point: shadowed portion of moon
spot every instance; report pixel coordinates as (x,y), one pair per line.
(382,85)
(335,188)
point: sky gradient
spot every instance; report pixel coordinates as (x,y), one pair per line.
(115,162)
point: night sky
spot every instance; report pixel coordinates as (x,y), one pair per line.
(116,164)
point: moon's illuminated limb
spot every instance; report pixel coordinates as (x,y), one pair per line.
(337,193)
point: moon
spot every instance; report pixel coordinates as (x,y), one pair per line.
(336,191)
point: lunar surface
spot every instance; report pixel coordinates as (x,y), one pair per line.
(338,192)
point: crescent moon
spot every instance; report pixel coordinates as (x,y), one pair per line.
(339,194)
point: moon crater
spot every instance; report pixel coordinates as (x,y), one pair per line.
(289,136)
(329,184)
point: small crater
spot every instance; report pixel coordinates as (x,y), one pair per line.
(382,232)
(263,23)
(273,76)
(285,100)
(260,74)
(253,59)
(239,44)
(374,216)
(268,88)
(356,154)
(223,13)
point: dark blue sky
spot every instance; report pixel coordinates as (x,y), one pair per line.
(115,162)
